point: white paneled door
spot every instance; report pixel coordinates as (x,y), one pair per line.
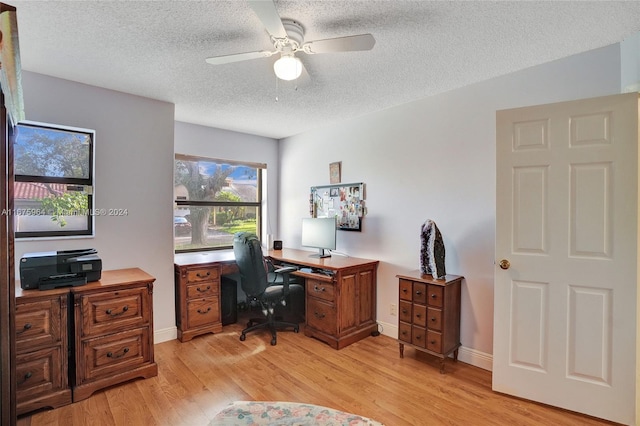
(566,277)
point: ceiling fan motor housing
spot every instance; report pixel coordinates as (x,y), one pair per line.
(295,34)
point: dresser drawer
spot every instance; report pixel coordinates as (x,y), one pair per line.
(39,373)
(434,319)
(202,274)
(112,354)
(205,311)
(112,311)
(406,311)
(321,290)
(420,293)
(435,295)
(418,336)
(405,290)
(420,315)
(38,324)
(404,332)
(199,290)
(321,315)
(434,341)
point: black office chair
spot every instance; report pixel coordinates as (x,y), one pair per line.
(256,285)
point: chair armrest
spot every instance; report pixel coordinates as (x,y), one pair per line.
(285,271)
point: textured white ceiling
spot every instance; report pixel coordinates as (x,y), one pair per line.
(157,49)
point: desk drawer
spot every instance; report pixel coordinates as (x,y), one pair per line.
(321,290)
(321,315)
(200,290)
(205,311)
(202,274)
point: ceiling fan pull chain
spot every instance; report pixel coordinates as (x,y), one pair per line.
(276,89)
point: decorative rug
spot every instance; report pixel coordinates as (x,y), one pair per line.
(259,413)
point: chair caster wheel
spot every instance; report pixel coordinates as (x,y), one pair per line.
(273,342)
(295,330)
(242,337)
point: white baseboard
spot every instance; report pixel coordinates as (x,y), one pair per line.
(165,335)
(467,355)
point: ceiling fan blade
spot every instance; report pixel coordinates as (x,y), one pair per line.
(340,44)
(268,14)
(237,57)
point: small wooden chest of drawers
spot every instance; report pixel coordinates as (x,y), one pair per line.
(41,350)
(429,314)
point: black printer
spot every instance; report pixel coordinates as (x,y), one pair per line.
(54,269)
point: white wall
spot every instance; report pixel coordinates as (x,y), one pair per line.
(432,159)
(204,141)
(133,171)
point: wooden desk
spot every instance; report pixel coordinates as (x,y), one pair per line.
(340,305)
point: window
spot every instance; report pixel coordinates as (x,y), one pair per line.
(214,199)
(53,189)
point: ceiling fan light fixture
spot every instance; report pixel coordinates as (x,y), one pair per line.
(288,67)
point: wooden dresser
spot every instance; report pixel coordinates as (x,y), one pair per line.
(74,341)
(198,294)
(429,314)
(42,343)
(340,297)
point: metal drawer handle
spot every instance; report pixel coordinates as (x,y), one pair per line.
(433,342)
(433,296)
(433,319)
(418,293)
(202,291)
(418,316)
(26,327)
(200,311)
(26,377)
(418,337)
(404,333)
(404,290)
(404,311)
(203,276)
(111,355)
(318,289)
(319,315)
(115,314)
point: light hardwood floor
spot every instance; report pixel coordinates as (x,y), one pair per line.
(196,379)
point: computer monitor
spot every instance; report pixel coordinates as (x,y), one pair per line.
(320,233)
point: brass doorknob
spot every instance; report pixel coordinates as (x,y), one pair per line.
(504,264)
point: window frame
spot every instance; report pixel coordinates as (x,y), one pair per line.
(258,204)
(88,183)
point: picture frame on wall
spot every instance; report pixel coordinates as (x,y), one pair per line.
(344,201)
(334,172)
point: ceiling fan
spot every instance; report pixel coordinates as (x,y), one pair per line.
(287,37)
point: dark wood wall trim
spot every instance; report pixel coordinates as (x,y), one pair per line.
(7,271)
